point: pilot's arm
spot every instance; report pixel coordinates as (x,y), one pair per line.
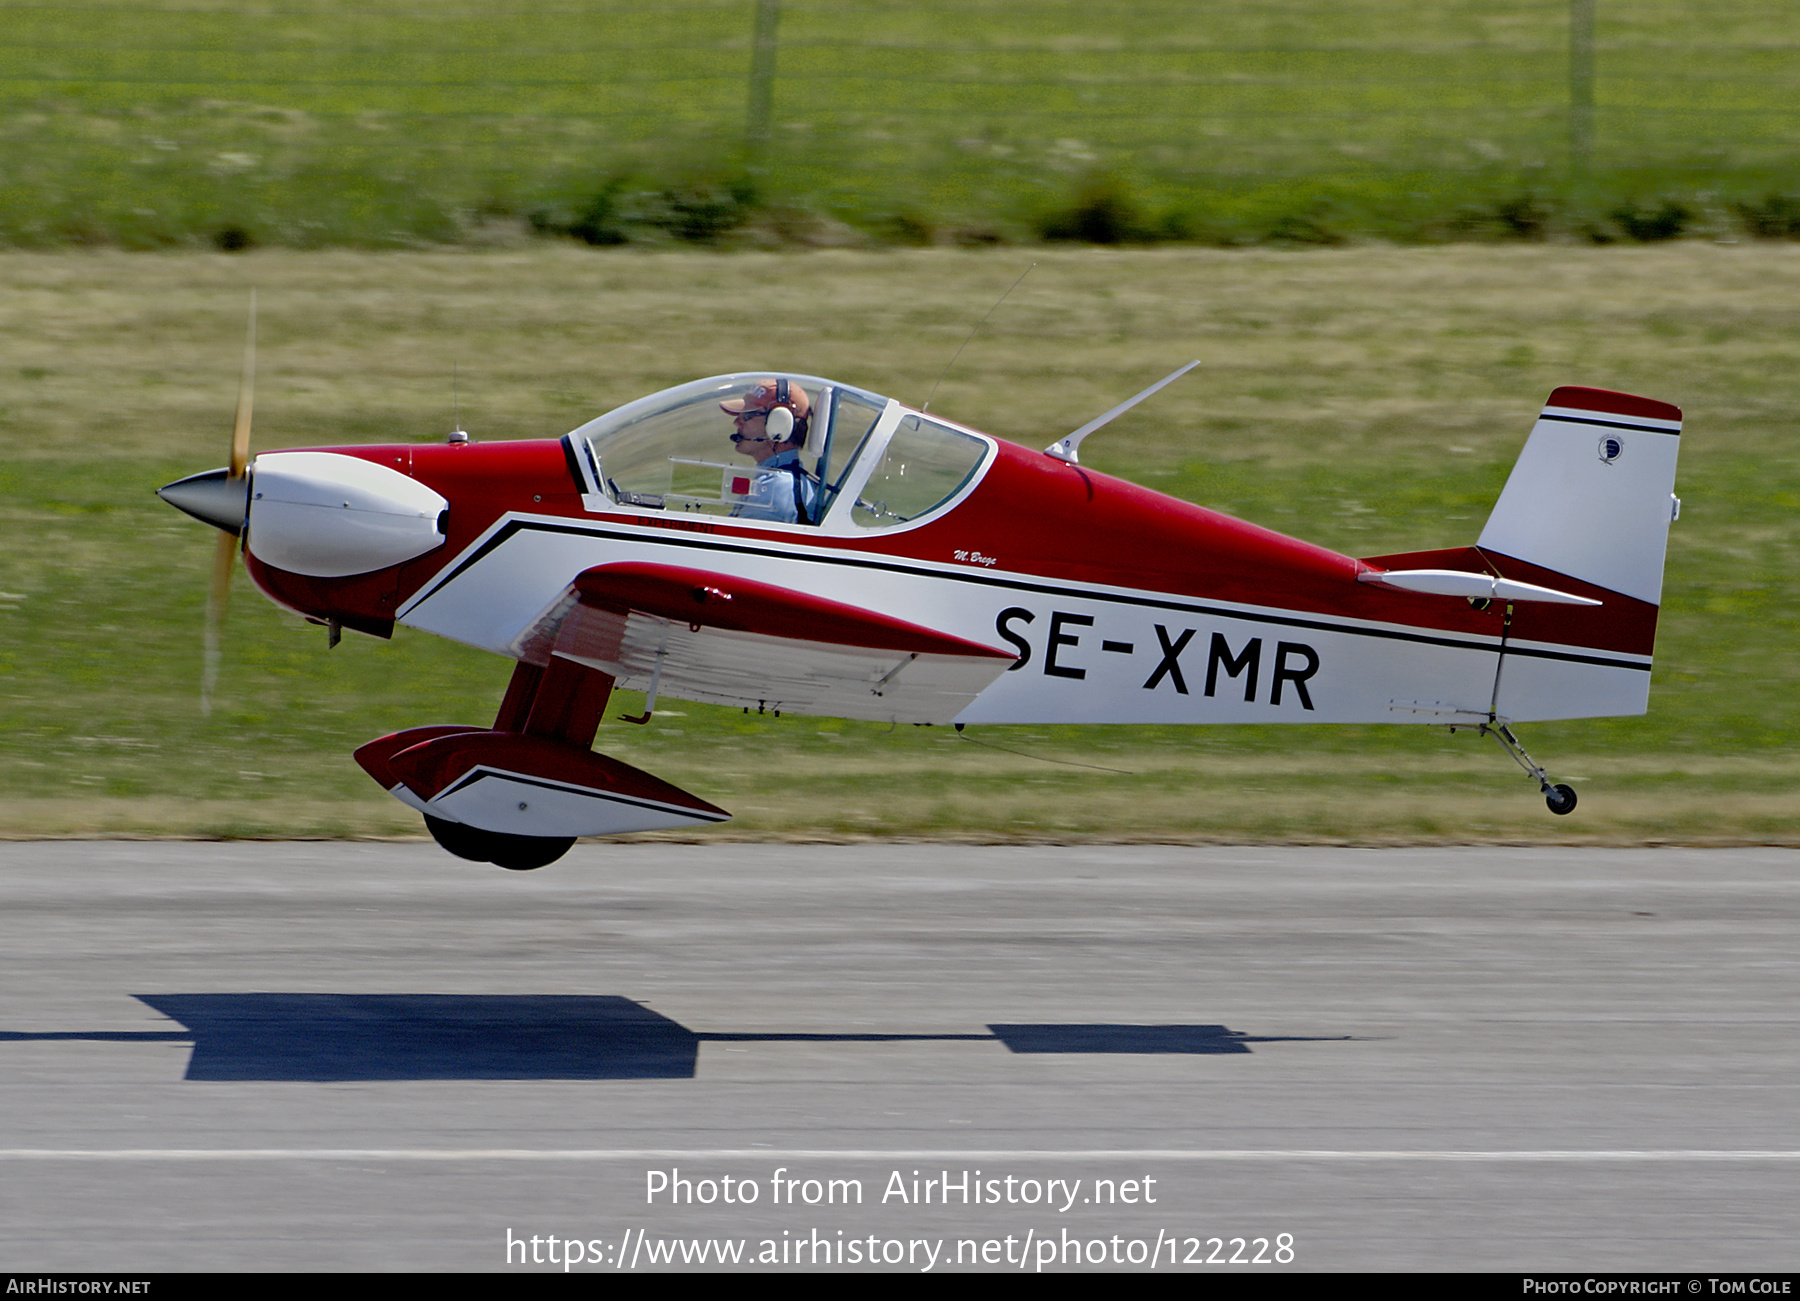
(771,497)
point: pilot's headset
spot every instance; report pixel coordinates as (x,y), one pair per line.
(780,421)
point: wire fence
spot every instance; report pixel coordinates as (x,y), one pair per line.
(964,110)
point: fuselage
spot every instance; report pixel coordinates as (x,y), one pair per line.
(1121,604)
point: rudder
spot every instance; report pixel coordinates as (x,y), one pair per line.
(1592,493)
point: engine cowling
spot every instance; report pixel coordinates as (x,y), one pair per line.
(327,515)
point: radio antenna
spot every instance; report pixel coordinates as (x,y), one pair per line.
(972,333)
(457,435)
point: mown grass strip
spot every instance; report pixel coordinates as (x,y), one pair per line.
(1371,400)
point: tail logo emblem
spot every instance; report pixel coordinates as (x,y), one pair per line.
(1611,447)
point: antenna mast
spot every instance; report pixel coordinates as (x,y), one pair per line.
(983,321)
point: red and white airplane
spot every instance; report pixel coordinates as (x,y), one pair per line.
(800,545)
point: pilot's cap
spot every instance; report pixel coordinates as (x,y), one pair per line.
(769,394)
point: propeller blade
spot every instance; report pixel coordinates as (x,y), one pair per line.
(226,554)
(240,433)
(223,559)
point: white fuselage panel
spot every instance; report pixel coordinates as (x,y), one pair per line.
(1087,653)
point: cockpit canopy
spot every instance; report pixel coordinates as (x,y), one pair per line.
(866,462)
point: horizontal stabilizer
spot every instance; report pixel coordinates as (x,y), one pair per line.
(1455,582)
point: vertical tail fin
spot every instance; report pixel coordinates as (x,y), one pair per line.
(1592,494)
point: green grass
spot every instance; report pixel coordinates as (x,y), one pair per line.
(1368,399)
(300,123)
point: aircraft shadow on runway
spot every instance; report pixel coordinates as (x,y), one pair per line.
(321,1037)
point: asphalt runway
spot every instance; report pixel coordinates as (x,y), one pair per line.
(360,1056)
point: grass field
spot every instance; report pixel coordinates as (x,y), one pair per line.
(396,123)
(1368,399)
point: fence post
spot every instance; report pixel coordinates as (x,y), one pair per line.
(762,81)
(1581,87)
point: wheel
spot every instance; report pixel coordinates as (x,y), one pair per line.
(461,839)
(526,853)
(514,853)
(1561,799)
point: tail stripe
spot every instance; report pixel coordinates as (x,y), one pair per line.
(1569,419)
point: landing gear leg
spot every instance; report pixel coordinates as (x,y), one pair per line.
(1559,798)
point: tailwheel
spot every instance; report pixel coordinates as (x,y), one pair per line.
(514,853)
(1559,798)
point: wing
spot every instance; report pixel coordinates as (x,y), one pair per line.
(699,635)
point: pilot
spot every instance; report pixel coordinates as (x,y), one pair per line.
(771,424)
